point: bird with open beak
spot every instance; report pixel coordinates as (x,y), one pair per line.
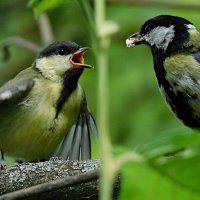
(43,110)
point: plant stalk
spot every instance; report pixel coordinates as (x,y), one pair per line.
(101,42)
(107,171)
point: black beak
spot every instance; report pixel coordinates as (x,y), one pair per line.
(134,39)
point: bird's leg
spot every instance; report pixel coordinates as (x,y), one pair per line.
(3,163)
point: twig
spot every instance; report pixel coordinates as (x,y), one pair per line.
(128,157)
(45,29)
(158,4)
(46,35)
(52,186)
(16,40)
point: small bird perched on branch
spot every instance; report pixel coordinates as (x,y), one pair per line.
(175,46)
(43,110)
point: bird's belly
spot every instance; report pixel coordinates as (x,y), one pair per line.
(36,133)
(185,106)
(180,85)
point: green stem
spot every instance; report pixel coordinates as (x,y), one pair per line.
(101,40)
(108,167)
(101,44)
(105,146)
(99,14)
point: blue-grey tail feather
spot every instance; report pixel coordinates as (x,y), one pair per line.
(85,140)
(76,145)
(92,124)
(75,148)
(64,148)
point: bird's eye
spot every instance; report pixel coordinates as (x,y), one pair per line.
(62,52)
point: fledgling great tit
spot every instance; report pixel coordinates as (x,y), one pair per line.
(43,110)
(175,46)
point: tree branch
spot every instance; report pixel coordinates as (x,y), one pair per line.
(52,179)
(46,36)
(52,186)
(46,31)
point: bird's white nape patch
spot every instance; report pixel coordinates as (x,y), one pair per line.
(160,36)
(191,26)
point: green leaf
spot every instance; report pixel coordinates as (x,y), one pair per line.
(182,169)
(140,182)
(169,142)
(41,6)
(175,154)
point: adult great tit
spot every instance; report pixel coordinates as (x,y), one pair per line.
(175,46)
(43,110)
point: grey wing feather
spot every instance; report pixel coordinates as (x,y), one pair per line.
(11,91)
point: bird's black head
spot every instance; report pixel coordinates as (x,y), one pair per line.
(61,48)
(162,32)
(166,21)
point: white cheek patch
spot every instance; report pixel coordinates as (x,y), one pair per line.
(53,67)
(160,36)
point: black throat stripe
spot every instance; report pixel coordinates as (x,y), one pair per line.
(69,85)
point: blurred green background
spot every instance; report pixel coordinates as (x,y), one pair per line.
(137,110)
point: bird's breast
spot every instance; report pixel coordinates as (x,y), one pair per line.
(180,85)
(35,132)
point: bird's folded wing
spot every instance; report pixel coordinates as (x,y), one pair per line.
(77,142)
(15,90)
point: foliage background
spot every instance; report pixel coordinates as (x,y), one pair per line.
(137,110)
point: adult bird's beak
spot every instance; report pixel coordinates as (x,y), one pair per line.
(134,39)
(77,59)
